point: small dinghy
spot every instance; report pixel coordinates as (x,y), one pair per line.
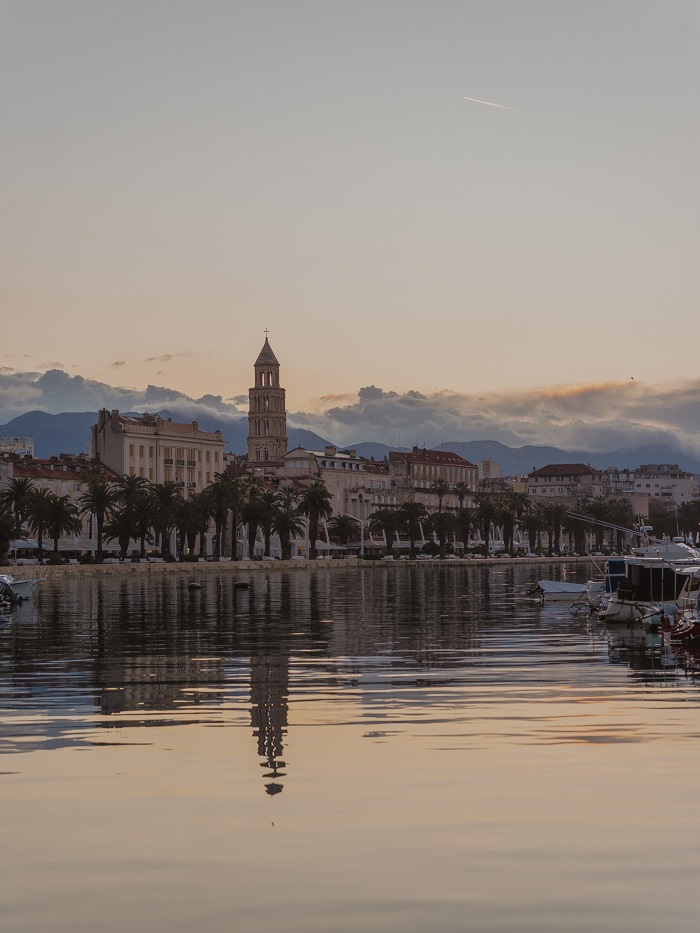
(556,591)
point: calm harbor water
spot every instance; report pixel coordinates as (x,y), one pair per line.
(405,748)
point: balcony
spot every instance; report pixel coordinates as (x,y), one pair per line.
(179,463)
(191,463)
(168,461)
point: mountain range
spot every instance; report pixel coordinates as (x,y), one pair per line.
(69,432)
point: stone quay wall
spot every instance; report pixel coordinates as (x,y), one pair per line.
(246,567)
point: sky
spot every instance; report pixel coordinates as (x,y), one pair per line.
(177,177)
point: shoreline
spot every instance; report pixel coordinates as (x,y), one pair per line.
(48,571)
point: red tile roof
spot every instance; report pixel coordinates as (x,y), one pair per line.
(56,468)
(437,457)
(566,469)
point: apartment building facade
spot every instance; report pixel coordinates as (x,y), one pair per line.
(413,474)
(566,481)
(158,449)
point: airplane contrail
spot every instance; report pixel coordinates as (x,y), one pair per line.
(488,103)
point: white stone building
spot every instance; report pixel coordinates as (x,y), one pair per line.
(158,449)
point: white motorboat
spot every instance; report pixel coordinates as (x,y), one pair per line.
(655,575)
(16,590)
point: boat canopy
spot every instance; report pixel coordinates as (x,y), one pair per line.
(556,586)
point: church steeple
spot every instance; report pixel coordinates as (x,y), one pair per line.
(267,417)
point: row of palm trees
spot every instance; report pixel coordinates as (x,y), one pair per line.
(43,512)
(507,511)
(133,509)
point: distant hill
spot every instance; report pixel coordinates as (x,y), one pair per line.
(69,433)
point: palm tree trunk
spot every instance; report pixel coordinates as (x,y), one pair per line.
(100,521)
(252,535)
(313,535)
(234,542)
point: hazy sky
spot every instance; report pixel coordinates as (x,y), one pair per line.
(179,176)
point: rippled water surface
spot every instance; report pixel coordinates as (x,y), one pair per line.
(400,748)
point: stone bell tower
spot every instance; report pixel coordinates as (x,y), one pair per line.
(267,417)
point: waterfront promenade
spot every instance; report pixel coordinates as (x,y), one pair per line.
(245,567)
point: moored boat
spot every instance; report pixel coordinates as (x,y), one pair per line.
(557,591)
(655,578)
(14,591)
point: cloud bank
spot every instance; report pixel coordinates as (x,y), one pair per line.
(591,417)
(56,391)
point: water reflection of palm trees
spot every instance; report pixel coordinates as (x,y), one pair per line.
(148,645)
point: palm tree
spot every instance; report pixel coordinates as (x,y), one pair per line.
(688,516)
(462,490)
(286,522)
(238,493)
(217,494)
(226,494)
(466,518)
(412,514)
(620,513)
(486,514)
(128,486)
(16,496)
(62,517)
(268,502)
(510,507)
(120,527)
(200,509)
(254,515)
(554,516)
(443,524)
(598,509)
(343,527)
(97,500)
(440,487)
(533,523)
(165,499)
(386,522)
(37,516)
(10,528)
(315,503)
(188,517)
